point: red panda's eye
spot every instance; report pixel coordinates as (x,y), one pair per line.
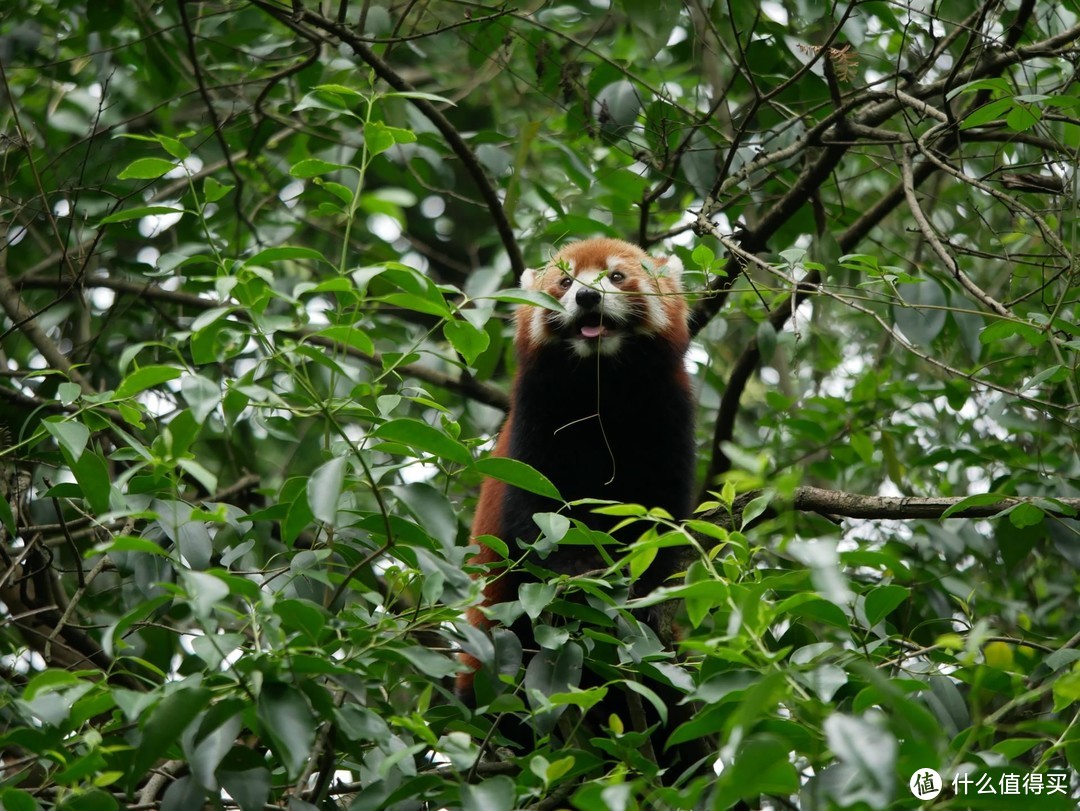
(616,276)
(565,282)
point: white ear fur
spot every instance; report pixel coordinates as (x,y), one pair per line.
(528,279)
(674,266)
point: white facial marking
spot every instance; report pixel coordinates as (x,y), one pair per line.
(608,345)
(658,317)
(537,333)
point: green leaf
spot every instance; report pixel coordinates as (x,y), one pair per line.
(880,601)
(432,509)
(468,340)
(997,86)
(250,788)
(162,728)
(535,597)
(312,167)
(202,394)
(1023,117)
(421,304)
(349,336)
(617,106)
(550,672)
(287,723)
(417,94)
(13,799)
(68,392)
(494,794)
(92,474)
(7,517)
(47,681)
(999,330)
(1054,374)
(174,146)
(977,500)
(93,800)
(379,137)
(754,508)
(138,213)
(923,317)
(431,663)
(206,754)
(423,437)
(867,746)
(762,765)
(527,297)
(191,536)
(987,113)
(204,477)
(301,616)
(324,489)
(145,378)
(214,190)
(282,253)
(72,436)
(1025,515)
(146,169)
(340,90)
(343,193)
(518,474)
(703,256)
(205,591)
(1067,690)
(183,794)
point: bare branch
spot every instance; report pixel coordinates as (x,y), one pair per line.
(453,138)
(853,505)
(943,254)
(25,321)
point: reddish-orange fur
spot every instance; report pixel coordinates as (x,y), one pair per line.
(651,294)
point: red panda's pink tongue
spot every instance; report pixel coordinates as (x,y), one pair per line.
(591,331)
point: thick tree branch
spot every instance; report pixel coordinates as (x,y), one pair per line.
(840,504)
(821,167)
(755,241)
(854,505)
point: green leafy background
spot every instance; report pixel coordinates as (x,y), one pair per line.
(257,275)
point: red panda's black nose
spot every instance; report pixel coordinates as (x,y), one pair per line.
(587,298)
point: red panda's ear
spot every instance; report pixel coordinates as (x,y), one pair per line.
(528,279)
(673,266)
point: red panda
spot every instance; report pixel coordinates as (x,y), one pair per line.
(601,404)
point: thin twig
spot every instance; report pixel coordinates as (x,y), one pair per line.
(453,138)
(943,254)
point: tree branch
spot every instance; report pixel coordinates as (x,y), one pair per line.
(753,242)
(943,254)
(25,321)
(465,384)
(854,505)
(841,504)
(453,138)
(813,174)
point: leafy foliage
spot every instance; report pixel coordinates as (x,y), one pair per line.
(256,280)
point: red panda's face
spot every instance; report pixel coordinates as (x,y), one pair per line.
(610,289)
